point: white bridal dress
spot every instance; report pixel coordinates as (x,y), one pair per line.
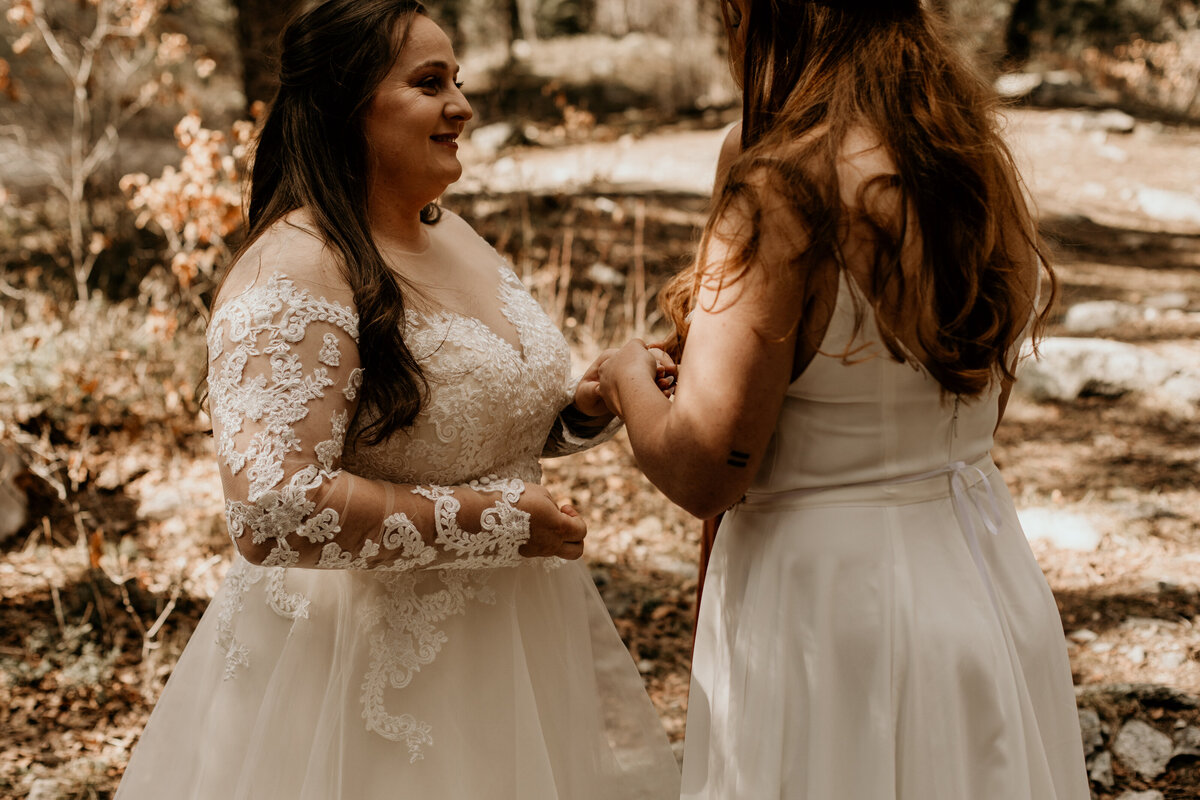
(385,645)
(874,625)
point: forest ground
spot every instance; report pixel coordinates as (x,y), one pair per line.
(90,627)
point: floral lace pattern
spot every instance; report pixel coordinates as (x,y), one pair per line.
(284,379)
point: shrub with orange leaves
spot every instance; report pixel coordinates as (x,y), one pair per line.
(198,205)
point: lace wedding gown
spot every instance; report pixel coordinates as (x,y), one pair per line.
(378,643)
(874,625)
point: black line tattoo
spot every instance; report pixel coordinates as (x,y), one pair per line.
(738,459)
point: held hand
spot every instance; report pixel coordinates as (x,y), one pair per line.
(553,530)
(666,372)
(587,394)
(633,362)
(590,401)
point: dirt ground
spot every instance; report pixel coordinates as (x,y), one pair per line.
(90,625)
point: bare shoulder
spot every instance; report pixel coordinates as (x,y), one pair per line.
(291,248)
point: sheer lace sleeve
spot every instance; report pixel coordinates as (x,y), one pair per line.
(284,378)
(574,432)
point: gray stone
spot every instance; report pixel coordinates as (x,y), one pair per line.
(1110,120)
(1098,315)
(1083,636)
(604,275)
(1063,529)
(491,138)
(1143,749)
(1168,300)
(1149,794)
(1015,85)
(43,789)
(14,505)
(1089,727)
(1067,368)
(1172,659)
(1187,742)
(1168,206)
(1100,771)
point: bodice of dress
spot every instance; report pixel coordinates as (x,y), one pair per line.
(865,417)
(489,406)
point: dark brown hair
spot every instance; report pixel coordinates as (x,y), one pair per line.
(311,153)
(812,72)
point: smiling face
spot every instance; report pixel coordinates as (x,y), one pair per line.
(414,119)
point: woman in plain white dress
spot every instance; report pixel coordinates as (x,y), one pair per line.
(874,625)
(405,616)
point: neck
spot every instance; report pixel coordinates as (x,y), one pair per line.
(397,221)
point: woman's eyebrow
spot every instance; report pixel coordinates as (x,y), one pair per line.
(436,64)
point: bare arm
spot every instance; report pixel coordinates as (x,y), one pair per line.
(703,449)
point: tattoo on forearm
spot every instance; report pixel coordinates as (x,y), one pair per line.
(738,459)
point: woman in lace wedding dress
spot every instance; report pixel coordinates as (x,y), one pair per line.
(395,623)
(874,625)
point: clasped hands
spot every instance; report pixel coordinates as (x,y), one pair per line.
(558,530)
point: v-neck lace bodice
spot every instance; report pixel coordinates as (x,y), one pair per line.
(489,404)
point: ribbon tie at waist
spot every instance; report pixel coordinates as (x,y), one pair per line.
(965,478)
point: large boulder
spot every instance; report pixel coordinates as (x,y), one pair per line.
(1067,368)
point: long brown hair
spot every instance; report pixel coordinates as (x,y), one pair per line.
(811,72)
(311,153)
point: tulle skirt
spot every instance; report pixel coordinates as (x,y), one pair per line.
(849,647)
(311,685)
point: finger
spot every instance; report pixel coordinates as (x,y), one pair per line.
(574,529)
(570,550)
(662,357)
(569,510)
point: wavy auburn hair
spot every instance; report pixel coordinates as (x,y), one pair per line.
(812,72)
(311,153)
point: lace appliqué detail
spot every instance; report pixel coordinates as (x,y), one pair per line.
(280,313)
(353,384)
(411,613)
(242,577)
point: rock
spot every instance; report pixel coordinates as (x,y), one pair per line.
(1168,300)
(490,138)
(1014,85)
(604,275)
(1067,368)
(1082,636)
(1089,727)
(1182,388)
(1149,794)
(1097,315)
(1109,120)
(1172,659)
(1168,206)
(43,789)
(1136,654)
(14,503)
(1143,749)
(1100,771)
(1063,529)
(1187,742)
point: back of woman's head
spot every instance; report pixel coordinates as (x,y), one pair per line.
(814,73)
(311,153)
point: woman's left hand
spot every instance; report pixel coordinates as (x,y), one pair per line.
(633,362)
(588,397)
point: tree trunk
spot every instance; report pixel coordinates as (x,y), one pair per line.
(258,25)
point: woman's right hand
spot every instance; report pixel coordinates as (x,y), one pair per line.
(554,530)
